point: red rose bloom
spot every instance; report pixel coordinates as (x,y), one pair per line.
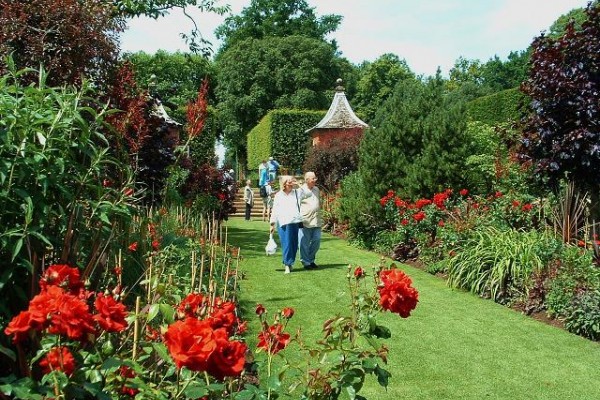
(273,339)
(155,245)
(133,246)
(223,316)
(190,343)
(229,357)
(63,276)
(405,222)
(260,310)
(464,192)
(192,306)
(58,359)
(527,207)
(397,294)
(359,273)
(420,216)
(19,326)
(111,313)
(287,312)
(62,312)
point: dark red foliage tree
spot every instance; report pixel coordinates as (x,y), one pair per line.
(73,39)
(562,134)
(333,160)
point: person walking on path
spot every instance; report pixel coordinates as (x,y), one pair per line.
(266,194)
(263,174)
(312,220)
(248,199)
(273,167)
(286,216)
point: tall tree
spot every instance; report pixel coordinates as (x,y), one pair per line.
(276,18)
(72,39)
(377,82)
(255,76)
(562,136)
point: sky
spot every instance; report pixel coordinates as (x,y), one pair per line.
(426,33)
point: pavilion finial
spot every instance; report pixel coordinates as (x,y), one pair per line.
(338,85)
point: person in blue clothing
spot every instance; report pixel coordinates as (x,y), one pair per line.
(273,167)
(286,218)
(263,174)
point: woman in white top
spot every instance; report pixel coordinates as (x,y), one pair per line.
(286,215)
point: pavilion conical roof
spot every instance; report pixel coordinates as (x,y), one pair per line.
(340,114)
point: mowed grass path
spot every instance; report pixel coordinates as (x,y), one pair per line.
(454,346)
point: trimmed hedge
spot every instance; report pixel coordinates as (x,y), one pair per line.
(282,134)
(504,106)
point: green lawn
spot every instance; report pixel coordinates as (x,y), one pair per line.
(454,346)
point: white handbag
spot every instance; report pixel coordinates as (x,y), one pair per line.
(271,246)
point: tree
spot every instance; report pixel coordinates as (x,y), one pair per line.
(377,82)
(72,39)
(174,77)
(562,136)
(559,27)
(255,76)
(276,18)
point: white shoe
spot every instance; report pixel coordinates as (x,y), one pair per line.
(288,269)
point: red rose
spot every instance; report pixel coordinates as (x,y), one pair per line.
(62,312)
(155,245)
(287,312)
(420,216)
(194,305)
(190,343)
(273,339)
(133,246)
(19,326)
(111,313)
(405,222)
(58,359)
(359,273)
(63,276)
(441,223)
(223,316)
(397,293)
(260,310)
(229,357)
(464,192)
(527,207)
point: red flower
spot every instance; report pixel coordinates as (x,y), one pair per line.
(399,202)
(287,312)
(58,359)
(498,195)
(62,312)
(527,207)
(260,310)
(19,326)
(229,357)
(63,276)
(581,243)
(155,245)
(420,216)
(439,199)
(422,203)
(190,343)
(405,222)
(359,273)
(127,373)
(397,293)
(516,203)
(133,246)
(273,339)
(464,192)
(441,223)
(128,192)
(194,305)
(223,316)
(111,313)
(106,183)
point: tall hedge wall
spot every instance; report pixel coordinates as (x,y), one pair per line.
(282,134)
(507,105)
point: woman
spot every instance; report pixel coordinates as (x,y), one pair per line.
(248,199)
(286,214)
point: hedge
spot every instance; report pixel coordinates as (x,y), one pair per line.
(504,106)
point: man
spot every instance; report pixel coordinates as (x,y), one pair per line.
(273,167)
(248,199)
(312,219)
(267,201)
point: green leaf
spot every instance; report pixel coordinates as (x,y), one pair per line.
(161,350)
(153,312)
(17,248)
(382,332)
(167,312)
(195,391)
(383,376)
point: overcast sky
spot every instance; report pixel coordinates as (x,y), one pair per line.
(426,33)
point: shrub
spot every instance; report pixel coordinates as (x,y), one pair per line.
(583,315)
(498,264)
